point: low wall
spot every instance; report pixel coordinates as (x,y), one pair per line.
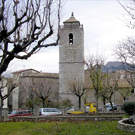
(67,118)
(126,127)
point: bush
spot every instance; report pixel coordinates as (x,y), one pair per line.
(66,103)
(129,108)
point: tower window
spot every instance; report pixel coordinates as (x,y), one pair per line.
(70,38)
(133,90)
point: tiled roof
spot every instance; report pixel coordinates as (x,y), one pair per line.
(23,70)
(71,19)
(46,75)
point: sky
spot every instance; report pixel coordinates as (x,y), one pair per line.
(104,26)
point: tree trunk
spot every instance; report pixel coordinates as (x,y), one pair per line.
(104,101)
(96,102)
(0,98)
(112,106)
(124,98)
(43,102)
(79,103)
(1,105)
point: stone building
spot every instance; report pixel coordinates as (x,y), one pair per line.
(124,93)
(30,80)
(45,84)
(16,77)
(71,58)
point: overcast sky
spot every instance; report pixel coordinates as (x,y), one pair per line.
(104,25)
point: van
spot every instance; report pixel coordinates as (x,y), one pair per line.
(49,111)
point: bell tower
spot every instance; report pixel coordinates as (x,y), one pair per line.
(71,58)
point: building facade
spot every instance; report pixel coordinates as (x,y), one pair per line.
(28,83)
(71,58)
(16,78)
(46,85)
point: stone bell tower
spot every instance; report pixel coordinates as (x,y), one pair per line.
(71,58)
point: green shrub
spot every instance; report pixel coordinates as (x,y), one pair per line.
(66,103)
(129,108)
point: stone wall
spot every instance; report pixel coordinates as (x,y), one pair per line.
(71,60)
(68,118)
(126,127)
(31,83)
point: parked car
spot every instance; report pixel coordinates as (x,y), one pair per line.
(49,111)
(20,113)
(100,109)
(109,108)
(70,109)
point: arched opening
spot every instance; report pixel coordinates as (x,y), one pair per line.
(70,38)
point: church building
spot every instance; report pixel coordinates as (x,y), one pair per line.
(71,59)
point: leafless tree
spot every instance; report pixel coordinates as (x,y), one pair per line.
(32,99)
(125,92)
(79,90)
(43,92)
(125,49)
(129,7)
(26,27)
(129,76)
(110,86)
(125,52)
(94,66)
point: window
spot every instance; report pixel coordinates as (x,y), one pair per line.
(70,38)
(49,110)
(44,110)
(55,110)
(133,90)
(20,112)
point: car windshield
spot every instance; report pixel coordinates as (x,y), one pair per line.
(14,112)
(56,110)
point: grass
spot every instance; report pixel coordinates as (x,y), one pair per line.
(125,116)
(62,128)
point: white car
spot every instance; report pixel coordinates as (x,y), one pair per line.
(70,109)
(109,108)
(49,111)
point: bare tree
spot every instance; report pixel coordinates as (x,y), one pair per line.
(94,66)
(110,86)
(129,77)
(32,99)
(125,49)
(125,92)
(79,90)
(129,7)
(43,92)
(26,27)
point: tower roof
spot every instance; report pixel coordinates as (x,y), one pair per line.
(72,19)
